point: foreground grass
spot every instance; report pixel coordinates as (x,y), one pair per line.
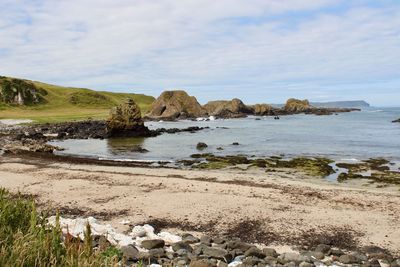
(69,104)
(26,240)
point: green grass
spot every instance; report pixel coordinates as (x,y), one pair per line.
(26,240)
(68,104)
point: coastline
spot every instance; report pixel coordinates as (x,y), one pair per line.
(285,204)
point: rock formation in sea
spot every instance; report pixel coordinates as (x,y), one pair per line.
(126,120)
(234,108)
(398,120)
(171,105)
(263,109)
(297,106)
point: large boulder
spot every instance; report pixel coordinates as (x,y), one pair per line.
(297,106)
(171,105)
(20,92)
(234,108)
(262,109)
(126,120)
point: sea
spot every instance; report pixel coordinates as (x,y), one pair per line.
(352,136)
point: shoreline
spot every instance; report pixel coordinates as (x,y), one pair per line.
(227,198)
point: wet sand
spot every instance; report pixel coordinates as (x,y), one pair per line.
(274,208)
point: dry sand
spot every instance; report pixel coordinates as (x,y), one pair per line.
(282,207)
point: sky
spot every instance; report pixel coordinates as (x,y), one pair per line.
(261,51)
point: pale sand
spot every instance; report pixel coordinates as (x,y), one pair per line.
(287,202)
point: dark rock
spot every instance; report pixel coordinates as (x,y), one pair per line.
(206,240)
(201,146)
(101,242)
(323,248)
(336,252)
(251,261)
(223,245)
(270,252)
(181,245)
(190,239)
(218,240)
(398,120)
(373,249)
(318,255)
(198,249)
(157,252)
(254,252)
(182,252)
(373,263)
(239,245)
(153,243)
(217,253)
(235,143)
(348,259)
(130,252)
(361,257)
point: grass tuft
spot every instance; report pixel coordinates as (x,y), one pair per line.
(26,239)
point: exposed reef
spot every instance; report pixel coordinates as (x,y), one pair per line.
(374,170)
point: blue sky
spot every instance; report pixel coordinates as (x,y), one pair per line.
(256,50)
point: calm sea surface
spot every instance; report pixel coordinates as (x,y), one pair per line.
(347,136)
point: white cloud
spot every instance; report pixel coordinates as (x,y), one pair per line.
(201,45)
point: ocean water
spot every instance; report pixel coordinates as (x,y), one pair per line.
(343,137)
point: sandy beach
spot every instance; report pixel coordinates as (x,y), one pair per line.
(283,208)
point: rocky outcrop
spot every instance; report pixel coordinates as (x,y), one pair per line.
(234,108)
(20,92)
(126,120)
(297,106)
(396,120)
(263,110)
(172,105)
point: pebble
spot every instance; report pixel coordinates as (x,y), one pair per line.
(181,245)
(153,243)
(130,252)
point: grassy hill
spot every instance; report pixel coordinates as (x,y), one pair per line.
(59,103)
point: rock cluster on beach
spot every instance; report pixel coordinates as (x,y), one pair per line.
(143,247)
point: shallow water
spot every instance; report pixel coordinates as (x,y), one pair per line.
(346,136)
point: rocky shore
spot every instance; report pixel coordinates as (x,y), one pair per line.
(142,245)
(34,138)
